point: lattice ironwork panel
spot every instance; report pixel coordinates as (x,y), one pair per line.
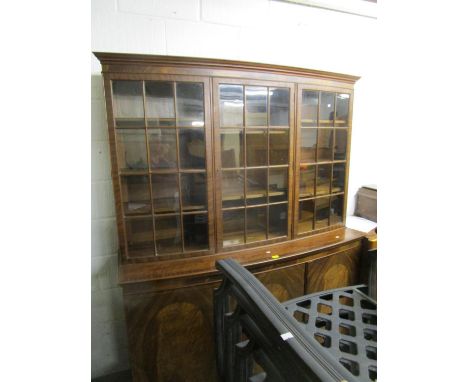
(344,321)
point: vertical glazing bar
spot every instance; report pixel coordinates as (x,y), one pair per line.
(245,165)
(181,217)
(268,166)
(148,160)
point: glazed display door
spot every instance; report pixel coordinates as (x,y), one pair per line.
(253,133)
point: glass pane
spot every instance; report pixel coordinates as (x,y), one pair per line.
(140,240)
(341,141)
(136,194)
(256,148)
(278,220)
(278,189)
(193,188)
(306,216)
(195,232)
(322,212)
(323,179)
(309,108)
(306,181)
(279,107)
(256,224)
(192,148)
(232,148)
(168,238)
(233,188)
(190,110)
(159,103)
(233,227)
(165,193)
(308,145)
(342,110)
(256,186)
(327,109)
(231,105)
(339,170)
(325,145)
(128,103)
(163,148)
(336,209)
(279,147)
(131,149)
(256,106)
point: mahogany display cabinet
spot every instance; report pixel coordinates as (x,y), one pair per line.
(214,159)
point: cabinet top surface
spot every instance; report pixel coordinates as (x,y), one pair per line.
(163,60)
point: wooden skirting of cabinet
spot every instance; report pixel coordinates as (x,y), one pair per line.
(170,321)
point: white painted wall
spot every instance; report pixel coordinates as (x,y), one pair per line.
(249,30)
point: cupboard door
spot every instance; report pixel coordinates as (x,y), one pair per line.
(321,158)
(162,128)
(335,271)
(253,127)
(171,335)
(284,283)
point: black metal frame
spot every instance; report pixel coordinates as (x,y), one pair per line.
(260,330)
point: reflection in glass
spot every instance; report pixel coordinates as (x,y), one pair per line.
(278,220)
(306,216)
(232,148)
(338,181)
(165,193)
(231,105)
(233,227)
(308,145)
(256,186)
(322,212)
(279,146)
(128,103)
(195,232)
(323,179)
(159,97)
(163,149)
(190,110)
(325,145)
(192,148)
(342,110)
(131,149)
(256,224)
(136,194)
(193,188)
(167,232)
(341,141)
(336,209)
(278,189)
(256,106)
(309,108)
(306,181)
(327,109)
(256,147)
(233,188)
(140,241)
(279,107)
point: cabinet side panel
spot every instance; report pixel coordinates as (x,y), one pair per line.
(171,335)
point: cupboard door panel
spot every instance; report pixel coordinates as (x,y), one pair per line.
(335,271)
(284,283)
(171,335)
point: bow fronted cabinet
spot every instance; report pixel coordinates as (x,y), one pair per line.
(214,159)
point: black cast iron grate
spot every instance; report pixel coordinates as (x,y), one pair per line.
(343,321)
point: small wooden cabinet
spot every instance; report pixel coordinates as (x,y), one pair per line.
(213,159)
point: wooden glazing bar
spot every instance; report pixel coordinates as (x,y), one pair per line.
(178,170)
